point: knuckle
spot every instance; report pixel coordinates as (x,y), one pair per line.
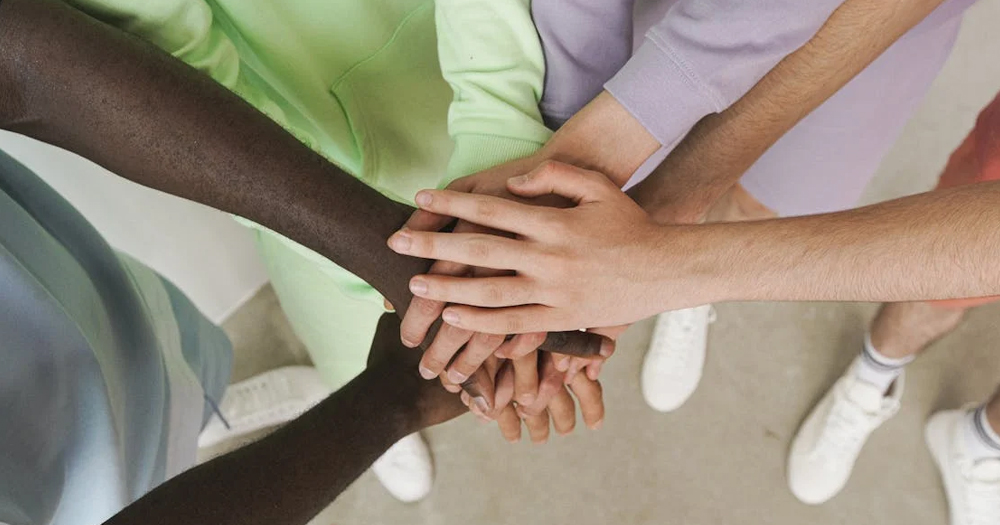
(513,324)
(485,209)
(426,308)
(549,167)
(478,248)
(494,293)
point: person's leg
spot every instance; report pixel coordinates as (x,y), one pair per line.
(828,443)
(335,313)
(965,445)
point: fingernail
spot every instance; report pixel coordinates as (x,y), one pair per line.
(457,377)
(481,404)
(607,348)
(400,242)
(407,343)
(423,198)
(450,317)
(519,180)
(427,373)
(562,365)
(418,287)
(598,425)
(526,399)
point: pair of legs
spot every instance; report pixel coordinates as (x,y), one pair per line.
(964,443)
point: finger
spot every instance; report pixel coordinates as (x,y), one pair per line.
(563,412)
(479,347)
(611,332)
(510,424)
(526,378)
(480,386)
(504,388)
(538,427)
(477,249)
(550,382)
(594,369)
(527,319)
(494,292)
(485,210)
(590,395)
(426,221)
(574,369)
(422,312)
(521,345)
(551,177)
(447,342)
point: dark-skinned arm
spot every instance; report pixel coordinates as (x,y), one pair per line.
(71,81)
(293,474)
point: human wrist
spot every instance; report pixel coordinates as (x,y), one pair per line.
(394,395)
(603,137)
(702,265)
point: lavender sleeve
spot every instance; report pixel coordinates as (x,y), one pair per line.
(703,55)
(585,43)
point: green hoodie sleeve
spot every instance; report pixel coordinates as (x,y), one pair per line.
(193,32)
(491,56)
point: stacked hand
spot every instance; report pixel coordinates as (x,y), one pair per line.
(537,382)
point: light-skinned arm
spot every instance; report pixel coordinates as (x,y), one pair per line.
(938,245)
(721,147)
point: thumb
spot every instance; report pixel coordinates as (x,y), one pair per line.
(551,177)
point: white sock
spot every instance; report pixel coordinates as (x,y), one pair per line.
(877,369)
(981,441)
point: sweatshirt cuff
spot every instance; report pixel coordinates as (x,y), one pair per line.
(659,91)
(474,153)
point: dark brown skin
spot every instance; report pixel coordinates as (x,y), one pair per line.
(71,81)
(293,474)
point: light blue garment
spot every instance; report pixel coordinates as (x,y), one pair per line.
(104,366)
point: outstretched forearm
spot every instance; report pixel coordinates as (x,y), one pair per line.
(293,474)
(723,146)
(938,245)
(74,82)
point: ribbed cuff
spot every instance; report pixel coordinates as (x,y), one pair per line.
(474,153)
(658,91)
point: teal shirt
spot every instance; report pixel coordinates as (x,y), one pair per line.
(105,366)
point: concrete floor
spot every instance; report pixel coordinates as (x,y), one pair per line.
(721,458)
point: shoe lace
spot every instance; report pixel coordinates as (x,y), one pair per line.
(678,334)
(844,433)
(982,500)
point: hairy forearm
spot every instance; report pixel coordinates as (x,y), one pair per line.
(76,83)
(291,475)
(721,147)
(938,245)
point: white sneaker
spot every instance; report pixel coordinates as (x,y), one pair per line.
(676,356)
(972,487)
(828,443)
(263,401)
(406,470)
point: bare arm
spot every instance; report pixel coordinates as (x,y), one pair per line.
(291,475)
(722,146)
(938,245)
